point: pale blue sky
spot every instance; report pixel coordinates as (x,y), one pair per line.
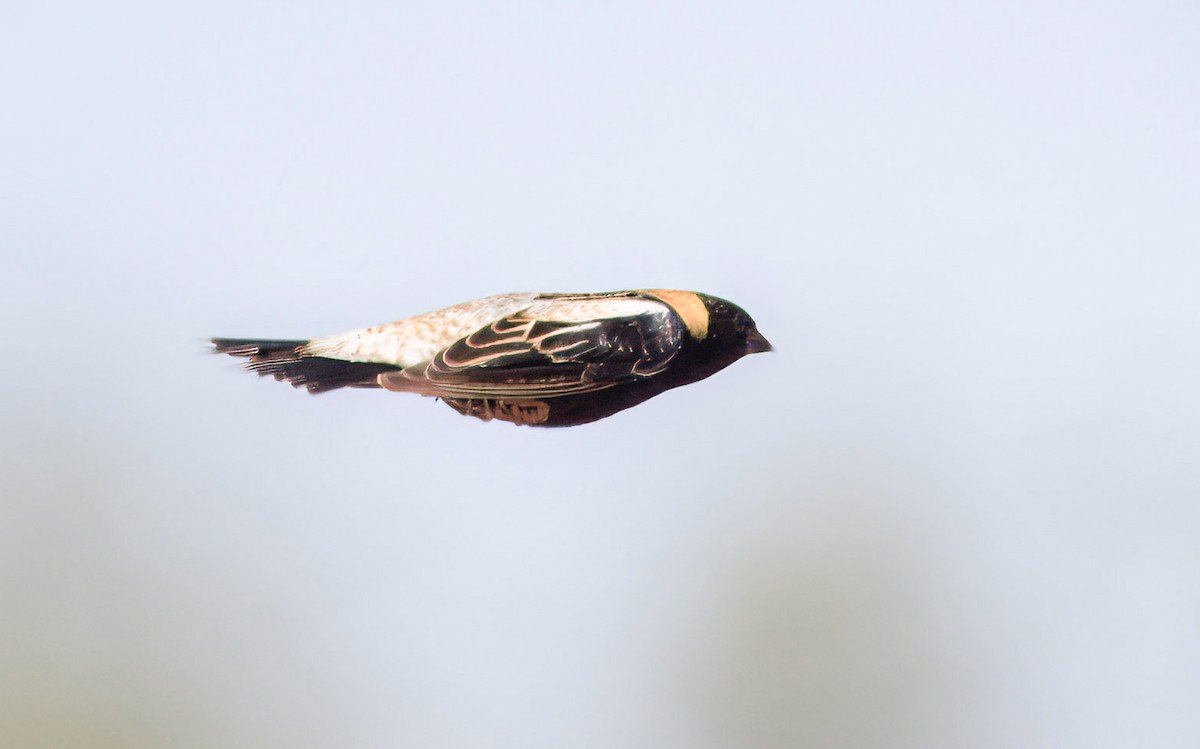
(957,507)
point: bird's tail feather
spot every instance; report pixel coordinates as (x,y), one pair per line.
(286,362)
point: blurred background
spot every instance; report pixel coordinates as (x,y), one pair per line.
(959,506)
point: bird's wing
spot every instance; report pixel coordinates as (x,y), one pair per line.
(558,345)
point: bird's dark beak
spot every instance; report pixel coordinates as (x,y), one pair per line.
(756,344)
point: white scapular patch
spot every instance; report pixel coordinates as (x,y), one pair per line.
(585,309)
(418,339)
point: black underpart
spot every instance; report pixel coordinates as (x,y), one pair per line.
(283,361)
(571,410)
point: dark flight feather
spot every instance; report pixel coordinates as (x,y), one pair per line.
(284,361)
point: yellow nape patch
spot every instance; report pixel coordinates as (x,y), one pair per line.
(690,308)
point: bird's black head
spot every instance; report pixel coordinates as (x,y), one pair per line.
(731,330)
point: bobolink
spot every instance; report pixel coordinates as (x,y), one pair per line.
(546,360)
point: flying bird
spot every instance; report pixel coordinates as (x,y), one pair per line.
(547,360)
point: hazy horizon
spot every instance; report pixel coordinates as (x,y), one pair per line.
(958,505)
